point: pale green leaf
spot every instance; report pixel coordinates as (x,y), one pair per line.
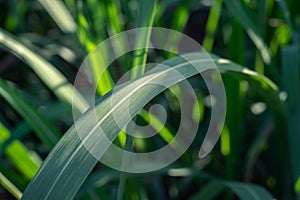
(10,186)
(60,14)
(53,78)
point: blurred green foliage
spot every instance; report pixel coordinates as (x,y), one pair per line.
(38,38)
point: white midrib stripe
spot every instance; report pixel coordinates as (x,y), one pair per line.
(104,117)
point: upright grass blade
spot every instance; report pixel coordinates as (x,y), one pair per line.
(98,14)
(45,70)
(145,18)
(104,82)
(19,155)
(96,60)
(43,129)
(280,38)
(116,26)
(244,191)
(179,21)
(101,76)
(116,21)
(275,105)
(231,137)
(84,33)
(69,163)
(60,14)
(211,25)
(113,10)
(10,187)
(242,13)
(287,16)
(181,16)
(291,82)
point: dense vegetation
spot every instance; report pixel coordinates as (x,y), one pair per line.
(43,44)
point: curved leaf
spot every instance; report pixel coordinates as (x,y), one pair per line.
(69,163)
(60,14)
(45,70)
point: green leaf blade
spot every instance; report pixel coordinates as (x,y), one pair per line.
(70,162)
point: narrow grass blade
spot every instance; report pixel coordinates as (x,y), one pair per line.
(101,76)
(145,18)
(44,130)
(181,16)
(243,15)
(104,83)
(19,155)
(116,26)
(287,16)
(231,137)
(179,21)
(291,83)
(70,162)
(98,15)
(45,70)
(10,187)
(270,94)
(211,25)
(113,10)
(60,14)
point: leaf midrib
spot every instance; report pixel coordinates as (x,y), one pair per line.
(113,109)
